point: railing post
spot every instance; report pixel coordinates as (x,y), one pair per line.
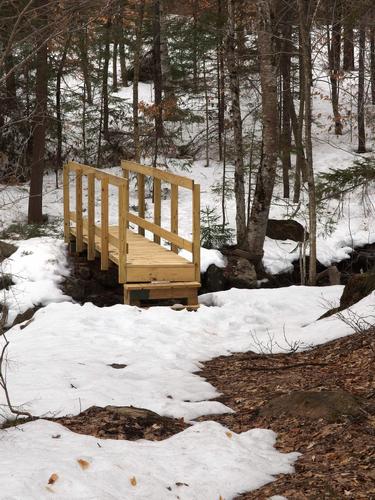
(79,219)
(196,231)
(91,216)
(123,206)
(141,200)
(157,206)
(174,213)
(66,204)
(104,253)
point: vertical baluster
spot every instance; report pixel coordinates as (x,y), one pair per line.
(196,231)
(104,255)
(157,206)
(141,200)
(91,216)
(66,204)
(174,213)
(123,206)
(79,219)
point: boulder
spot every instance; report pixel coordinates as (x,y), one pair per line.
(240,273)
(286,230)
(214,279)
(6,250)
(332,406)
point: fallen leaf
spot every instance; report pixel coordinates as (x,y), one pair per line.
(133,481)
(54,477)
(84,464)
(229,434)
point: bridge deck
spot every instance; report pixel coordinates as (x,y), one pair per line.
(146,261)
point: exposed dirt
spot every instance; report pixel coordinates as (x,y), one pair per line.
(124,422)
(338,457)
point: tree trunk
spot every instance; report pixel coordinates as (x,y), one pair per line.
(123,67)
(164,55)
(85,65)
(35,213)
(239,184)
(286,138)
(136,64)
(114,67)
(220,78)
(334,58)
(361,89)
(348,58)
(158,79)
(105,95)
(372,64)
(305,24)
(59,123)
(267,169)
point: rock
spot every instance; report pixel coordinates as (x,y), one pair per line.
(6,250)
(357,288)
(214,279)
(330,405)
(286,230)
(132,411)
(240,273)
(25,316)
(5,281)
(117,366)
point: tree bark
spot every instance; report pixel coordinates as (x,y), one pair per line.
(361,89)
(305,24)
(239,183)
(158,79)
(105,94)
(136,64)
(372,64)
(35,209)
(266,174)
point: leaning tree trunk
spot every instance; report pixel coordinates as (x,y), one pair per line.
(234,82)
(35,213)
(266,175)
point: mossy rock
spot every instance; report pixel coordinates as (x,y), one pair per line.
(332,406)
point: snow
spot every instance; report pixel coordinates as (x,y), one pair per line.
(37,268)
(60,361)
(205,461)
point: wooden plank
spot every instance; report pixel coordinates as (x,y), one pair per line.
(123,207)
(174,214)
(197,231)
(79,209)
(132,166)
(159,273)
(159,285)
(91,216)
(99,174)
(157,207)
(164,233)
(141,200)
(104,257)
(66,204)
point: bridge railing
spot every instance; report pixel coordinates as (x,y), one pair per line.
(172,236)
(78,172)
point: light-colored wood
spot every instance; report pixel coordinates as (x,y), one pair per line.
(79,209)
(99,174)
(66,204)
(197,231)
(164,233)
(91,216)
(104,240)
(135,293)
(141,200)
(123,207)
(174,214)
(140,260)
(158,174)
(157,207)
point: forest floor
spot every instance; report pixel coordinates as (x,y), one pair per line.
(338,455)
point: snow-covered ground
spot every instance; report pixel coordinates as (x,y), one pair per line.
(58,364)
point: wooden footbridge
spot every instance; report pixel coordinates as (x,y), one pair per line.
(147,269)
